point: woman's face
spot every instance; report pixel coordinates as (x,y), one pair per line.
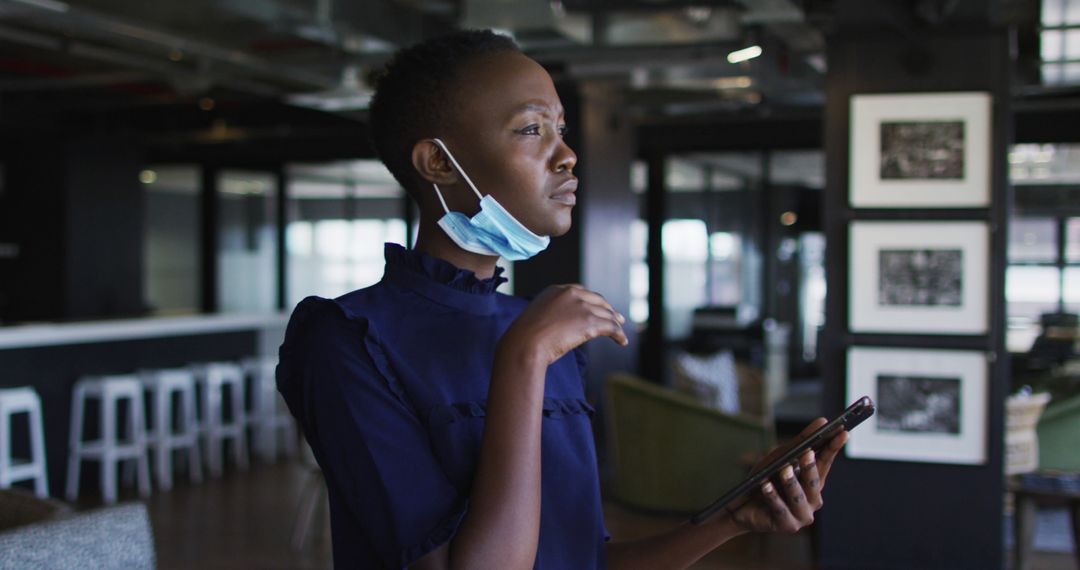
(506,130)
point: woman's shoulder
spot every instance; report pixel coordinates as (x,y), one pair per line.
(358,306)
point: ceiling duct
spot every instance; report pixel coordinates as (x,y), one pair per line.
(351,94)
(531,22)
(672,26)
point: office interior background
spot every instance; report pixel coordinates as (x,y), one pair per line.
(176,176)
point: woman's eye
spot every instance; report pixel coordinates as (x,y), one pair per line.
(562,130)
(530,130)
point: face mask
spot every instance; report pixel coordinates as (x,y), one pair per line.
(492,231)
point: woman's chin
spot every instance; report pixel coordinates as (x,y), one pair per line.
(561,222)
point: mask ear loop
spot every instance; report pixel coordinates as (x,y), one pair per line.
(460,170)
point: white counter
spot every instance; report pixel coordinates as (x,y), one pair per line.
(271,326)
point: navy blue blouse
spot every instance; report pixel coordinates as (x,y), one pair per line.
(390,384)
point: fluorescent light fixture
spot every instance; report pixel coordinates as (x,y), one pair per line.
(351,94)
(744,54)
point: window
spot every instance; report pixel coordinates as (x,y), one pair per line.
(1060,42)
(340,215)
(685,244)
(639,272)
(1072,240)
(247,241)
(1033,240)
(708,258)
(171,244)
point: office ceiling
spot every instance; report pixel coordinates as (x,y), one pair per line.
(219,70)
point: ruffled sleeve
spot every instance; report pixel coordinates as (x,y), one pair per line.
(374,450)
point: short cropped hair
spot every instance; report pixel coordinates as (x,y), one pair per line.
(413,91)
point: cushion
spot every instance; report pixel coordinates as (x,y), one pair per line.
(712,379)
(112,537)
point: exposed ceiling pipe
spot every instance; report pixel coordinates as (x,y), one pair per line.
(69,19)
(171,71)
(74,82)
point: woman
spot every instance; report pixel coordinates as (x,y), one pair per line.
(450,420)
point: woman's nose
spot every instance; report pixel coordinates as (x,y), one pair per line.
(565,158)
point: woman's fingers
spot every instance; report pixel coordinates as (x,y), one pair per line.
(782,519)
(797,502)
(610,324)
(811,479)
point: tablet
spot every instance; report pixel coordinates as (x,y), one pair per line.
(854,415)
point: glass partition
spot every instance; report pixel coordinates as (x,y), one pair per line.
(247,241)
(171,244)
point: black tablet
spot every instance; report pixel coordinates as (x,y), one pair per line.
(854,415)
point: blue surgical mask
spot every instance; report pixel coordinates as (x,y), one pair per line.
(492,231)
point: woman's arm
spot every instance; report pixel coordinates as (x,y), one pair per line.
(502,526)
(786,507)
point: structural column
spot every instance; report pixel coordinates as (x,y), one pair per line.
(905,514)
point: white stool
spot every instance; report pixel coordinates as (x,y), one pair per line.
(162,436)
(269,416)
(110,449)
(214,379)
(18,401)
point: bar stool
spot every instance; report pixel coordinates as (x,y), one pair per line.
(214,379)
(163,437)
(269,416)
(19,401)
(109,449)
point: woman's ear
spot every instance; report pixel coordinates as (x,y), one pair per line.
(430,161)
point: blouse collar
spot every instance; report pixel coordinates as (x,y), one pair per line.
(440,280)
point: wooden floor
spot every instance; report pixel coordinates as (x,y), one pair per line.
(245,520)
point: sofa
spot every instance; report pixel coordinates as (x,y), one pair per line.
(1059,435)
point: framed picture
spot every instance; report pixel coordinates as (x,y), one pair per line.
(931,404)
(924,150)
(918,277)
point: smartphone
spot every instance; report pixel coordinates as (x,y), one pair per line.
(854,415)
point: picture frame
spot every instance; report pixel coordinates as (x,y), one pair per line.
(918,277)
(931,404)
(920,150)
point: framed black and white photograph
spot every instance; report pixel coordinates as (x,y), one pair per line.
(918,277)
(931,404)
(922,150)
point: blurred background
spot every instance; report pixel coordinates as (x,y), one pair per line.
(176,176)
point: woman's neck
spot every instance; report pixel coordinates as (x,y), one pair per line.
(434,242)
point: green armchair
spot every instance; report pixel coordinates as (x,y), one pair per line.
(1059,435)
(669,453)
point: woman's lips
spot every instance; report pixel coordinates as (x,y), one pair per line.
(565,193)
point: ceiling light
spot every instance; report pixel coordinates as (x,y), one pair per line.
(744,54)
(351,94)
(148,176)
(740,82)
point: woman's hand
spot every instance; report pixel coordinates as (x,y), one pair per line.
(789,504)
(560,319)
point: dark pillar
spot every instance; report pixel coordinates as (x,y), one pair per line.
(208,207)
(104,251)
(72,210)
(894,514)
(611,208)
(652,353)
